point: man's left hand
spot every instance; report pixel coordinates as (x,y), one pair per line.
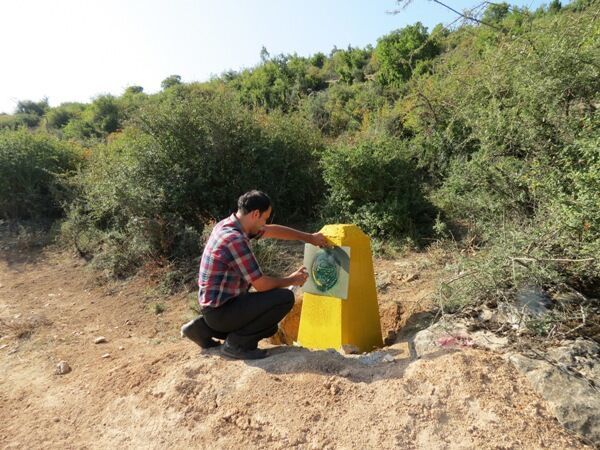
(319,240)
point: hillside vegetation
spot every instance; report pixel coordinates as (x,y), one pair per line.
(482,137)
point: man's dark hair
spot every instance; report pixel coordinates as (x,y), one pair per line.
(252,200)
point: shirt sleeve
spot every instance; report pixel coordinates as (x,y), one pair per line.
(244,260)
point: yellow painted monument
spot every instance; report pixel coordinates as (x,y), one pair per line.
(330,322)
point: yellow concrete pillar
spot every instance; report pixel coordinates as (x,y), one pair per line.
(329,322)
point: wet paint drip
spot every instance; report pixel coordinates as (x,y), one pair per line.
(324,271)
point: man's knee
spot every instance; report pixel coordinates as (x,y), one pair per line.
(287,297)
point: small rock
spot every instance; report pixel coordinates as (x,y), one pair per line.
(349,349)
(106,355)
(334,389)
(447,335)
(100,340)
(121,348)
(383,280)
(486,315)
(17,316)
(371,359)
(454,341)
(62,368)
(388,358)
(56,419)
(533,300)
(411,277)
(3,346)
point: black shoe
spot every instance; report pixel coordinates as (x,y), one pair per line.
(199,332)
(233,351)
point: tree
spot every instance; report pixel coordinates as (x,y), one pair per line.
(61,115)
(264,54)
(105,114)
(349,64)
(398,53)
(318,60)
(134,90)
(170,81)
(31,107)
(554,6)
(496,12)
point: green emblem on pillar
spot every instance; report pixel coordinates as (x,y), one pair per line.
(325,271)
(328,270)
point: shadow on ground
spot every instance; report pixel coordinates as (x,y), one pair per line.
(386,363)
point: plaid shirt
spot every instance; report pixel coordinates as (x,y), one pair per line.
(228,266)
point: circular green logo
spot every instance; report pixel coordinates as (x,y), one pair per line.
(324,271)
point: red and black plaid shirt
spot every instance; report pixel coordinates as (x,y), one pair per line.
(228,266)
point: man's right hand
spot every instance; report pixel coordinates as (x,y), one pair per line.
(266,283)
(299,277)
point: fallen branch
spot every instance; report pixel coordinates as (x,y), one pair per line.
(525,258)
(458,277)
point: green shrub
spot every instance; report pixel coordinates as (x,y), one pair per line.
(374,184)
(343,108)
(158,308)
(59,117)
(149,191)
(95,121)
(524,178)
(10,122)
(31,167)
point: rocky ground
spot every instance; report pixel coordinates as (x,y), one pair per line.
(89,365)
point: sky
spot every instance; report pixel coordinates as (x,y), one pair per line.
(74,50)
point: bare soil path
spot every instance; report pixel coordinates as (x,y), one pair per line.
(154,390)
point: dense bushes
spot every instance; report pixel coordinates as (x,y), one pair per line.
(492,131)
(401,51)
(374,184)
(522,122)
(31,165)
(525,179)
(151,189)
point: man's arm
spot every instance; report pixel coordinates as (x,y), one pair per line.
(248,267)
(290,234)
(266,283)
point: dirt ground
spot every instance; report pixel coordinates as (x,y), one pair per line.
(145,387)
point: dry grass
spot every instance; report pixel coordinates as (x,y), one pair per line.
(22,328)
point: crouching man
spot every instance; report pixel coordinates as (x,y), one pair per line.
(228,268)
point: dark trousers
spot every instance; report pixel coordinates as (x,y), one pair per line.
(250,317)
